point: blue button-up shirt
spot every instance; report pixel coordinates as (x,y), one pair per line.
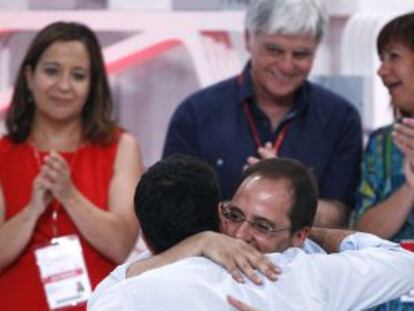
(324,133)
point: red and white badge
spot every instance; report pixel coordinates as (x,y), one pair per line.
(63,272)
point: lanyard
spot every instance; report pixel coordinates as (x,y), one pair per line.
(279,138)
(54,204)
(277,144)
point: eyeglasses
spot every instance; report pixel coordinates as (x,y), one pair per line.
(236,216)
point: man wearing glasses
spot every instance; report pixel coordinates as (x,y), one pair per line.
(272,210)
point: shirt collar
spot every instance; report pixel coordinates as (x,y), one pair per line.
(246,89)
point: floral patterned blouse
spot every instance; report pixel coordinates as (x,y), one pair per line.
(382,174)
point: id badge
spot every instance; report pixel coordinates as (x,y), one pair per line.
(63,272)
(408,245)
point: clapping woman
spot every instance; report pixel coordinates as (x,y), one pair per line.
(67,176)
(385,199)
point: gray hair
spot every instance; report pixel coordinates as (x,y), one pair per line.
(288,17)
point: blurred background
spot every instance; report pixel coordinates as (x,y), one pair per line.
(158,52)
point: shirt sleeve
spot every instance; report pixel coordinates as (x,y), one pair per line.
(360,240)
(369,271)
(181,134)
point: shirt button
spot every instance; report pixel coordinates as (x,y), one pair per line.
(219,162)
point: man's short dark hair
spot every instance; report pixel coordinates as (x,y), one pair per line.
(176,198)
(303,186)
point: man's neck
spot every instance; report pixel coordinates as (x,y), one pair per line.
(274,110)
(275,107)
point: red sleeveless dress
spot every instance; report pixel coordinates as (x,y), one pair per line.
(92,169)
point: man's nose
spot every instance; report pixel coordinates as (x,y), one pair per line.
(244,232)
(287,63)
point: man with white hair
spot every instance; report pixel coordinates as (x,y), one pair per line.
(272,109)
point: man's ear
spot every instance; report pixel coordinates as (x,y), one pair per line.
(300,236)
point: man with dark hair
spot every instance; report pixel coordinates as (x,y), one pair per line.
(303,210)
(176,198)
(264,215)
(280,197)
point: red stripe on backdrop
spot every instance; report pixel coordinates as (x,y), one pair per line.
(141,56)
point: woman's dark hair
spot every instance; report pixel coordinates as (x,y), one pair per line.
(97,124)
(399,30)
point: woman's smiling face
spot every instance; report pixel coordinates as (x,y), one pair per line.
(397,74)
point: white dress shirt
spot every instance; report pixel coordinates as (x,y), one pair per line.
(349,280)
